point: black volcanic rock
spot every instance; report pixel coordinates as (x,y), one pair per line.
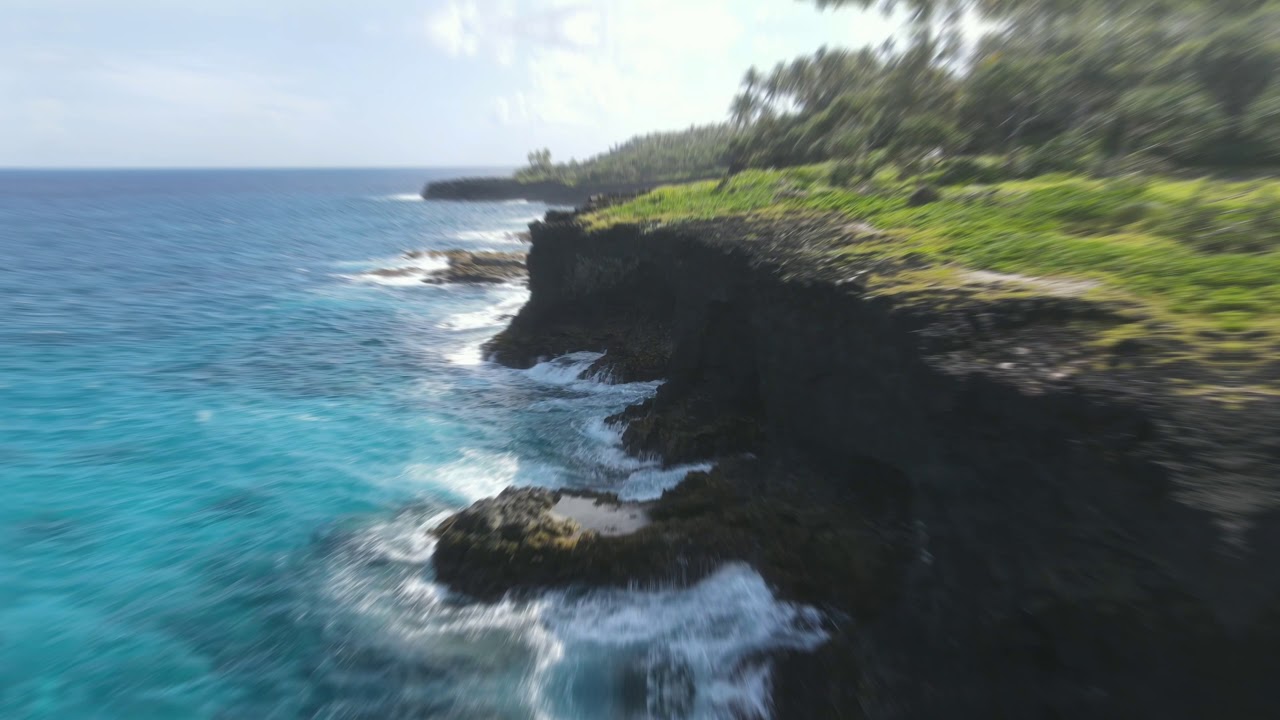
(520,541)
(1012,525)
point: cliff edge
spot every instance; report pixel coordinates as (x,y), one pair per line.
(1015,495)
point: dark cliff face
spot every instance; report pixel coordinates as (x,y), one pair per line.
(551,193)
(1060,548)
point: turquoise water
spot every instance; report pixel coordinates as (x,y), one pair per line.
(223,445)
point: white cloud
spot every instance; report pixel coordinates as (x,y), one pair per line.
(465,27)
(456,28)
(599,64)
(607,69)
(511,111)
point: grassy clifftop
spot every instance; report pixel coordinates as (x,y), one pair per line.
(1192,264)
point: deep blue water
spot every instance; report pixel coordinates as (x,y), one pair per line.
(222,447)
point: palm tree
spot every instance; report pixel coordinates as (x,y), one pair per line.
(744,108)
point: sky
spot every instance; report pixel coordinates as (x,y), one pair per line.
(371,83)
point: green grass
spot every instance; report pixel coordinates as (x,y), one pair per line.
(1203,255)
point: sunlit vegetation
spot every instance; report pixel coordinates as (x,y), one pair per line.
(692,154)
(1087,86)
(1144,238)
(1129,145)
(1055,87)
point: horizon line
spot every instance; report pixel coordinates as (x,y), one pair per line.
(146,168)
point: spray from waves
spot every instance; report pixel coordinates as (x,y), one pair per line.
(500,237)
(566,370)
(599,445)
(402,271)
(642,478)
(396,644)
(469,355)
(402,197)
(510,299)
(650,482)
(479,474)
(696,652)
(573,372)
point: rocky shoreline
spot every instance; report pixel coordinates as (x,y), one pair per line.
(481,267)
(1000,520)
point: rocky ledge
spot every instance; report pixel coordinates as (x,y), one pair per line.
(476,267)
(1002,517)
(461,266)
(530,538)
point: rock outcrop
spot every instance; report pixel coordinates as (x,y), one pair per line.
(467,266)
(1010,521)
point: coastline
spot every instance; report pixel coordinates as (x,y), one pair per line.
(548,192)
(959,480)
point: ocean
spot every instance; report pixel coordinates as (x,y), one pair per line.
(224,444)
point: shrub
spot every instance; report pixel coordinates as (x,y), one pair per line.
(844,172)
(1070,152)
(968,171)
(1222,227)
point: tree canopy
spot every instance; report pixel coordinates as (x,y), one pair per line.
(698,152)
(1059,83)
(1055,85)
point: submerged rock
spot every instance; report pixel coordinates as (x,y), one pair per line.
(466,266)
(394,272)
(437,267)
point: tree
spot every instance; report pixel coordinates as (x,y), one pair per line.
(697,152)
(1235,65)
(540,160)
(743,109)
(1174,120)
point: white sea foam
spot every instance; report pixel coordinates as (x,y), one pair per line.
(406,538)
(697,649)
(650,482)
(696,652)
(564,370)
(603,447)
(475,475)
(633,478)
(503,237)
(403,197)
(423,261)
(570,371)
(469,355)
(489,317)
(643,478)
(390,280)
(510,299)
(409,271)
